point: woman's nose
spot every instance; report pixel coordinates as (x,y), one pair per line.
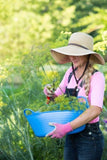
(72,57)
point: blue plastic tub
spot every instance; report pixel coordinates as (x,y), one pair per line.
(39,121)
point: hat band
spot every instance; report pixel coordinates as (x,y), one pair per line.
(77,45)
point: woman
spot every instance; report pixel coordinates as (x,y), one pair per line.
(81,79)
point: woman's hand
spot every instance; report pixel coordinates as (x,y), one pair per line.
(60,130)
(48,90)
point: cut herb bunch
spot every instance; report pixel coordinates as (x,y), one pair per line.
(65,103)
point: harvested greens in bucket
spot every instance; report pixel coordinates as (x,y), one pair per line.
(66,103)
(61,110)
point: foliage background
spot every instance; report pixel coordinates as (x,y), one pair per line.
(28,30)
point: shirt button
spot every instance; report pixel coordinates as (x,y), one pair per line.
(90,133)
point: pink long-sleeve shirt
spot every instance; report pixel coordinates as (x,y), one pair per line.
(96,93)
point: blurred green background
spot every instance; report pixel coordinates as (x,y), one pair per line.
(28,30)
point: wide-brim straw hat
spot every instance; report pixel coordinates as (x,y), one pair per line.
(79,44)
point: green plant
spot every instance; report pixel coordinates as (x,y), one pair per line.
(63,102)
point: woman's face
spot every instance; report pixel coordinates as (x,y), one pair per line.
(78,61)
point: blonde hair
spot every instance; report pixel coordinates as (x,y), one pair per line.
(87,77)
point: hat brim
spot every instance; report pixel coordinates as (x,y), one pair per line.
(61,55)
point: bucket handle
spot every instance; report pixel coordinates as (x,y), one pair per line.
(87,104)
(32,112)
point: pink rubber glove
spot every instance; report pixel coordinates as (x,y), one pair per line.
(60,130)
(48,91)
